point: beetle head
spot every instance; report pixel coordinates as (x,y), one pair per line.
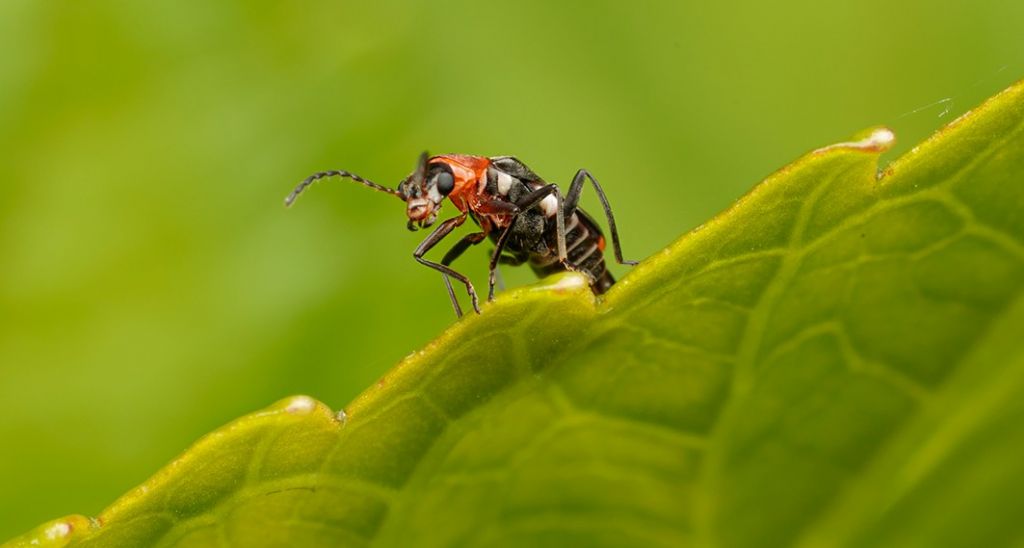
(424,190)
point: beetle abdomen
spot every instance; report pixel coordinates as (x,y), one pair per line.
(584,245)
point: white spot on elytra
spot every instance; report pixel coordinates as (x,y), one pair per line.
(549,205)
(342,417)
(504,183)
(300,405)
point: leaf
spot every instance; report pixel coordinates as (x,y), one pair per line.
(836,360)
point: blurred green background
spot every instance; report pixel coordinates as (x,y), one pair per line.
(153,287)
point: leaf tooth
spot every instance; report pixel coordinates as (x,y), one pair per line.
(877,140)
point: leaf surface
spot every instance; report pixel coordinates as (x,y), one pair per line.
(836,360)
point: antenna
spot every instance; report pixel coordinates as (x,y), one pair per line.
(421,169)
(338,173)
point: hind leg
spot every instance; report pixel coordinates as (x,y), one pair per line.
(572,200)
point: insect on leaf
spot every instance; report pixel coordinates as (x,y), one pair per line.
(835,360)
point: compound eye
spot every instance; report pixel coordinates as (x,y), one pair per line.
(445,183)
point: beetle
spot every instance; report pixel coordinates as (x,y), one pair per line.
(526,217)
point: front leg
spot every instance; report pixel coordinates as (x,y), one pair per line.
(426,245)
(509,260)
(455,252)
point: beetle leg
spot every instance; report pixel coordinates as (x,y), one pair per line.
(426,245)
(454,253)
(572,199)
(495,257)
(499,207)
(511,260)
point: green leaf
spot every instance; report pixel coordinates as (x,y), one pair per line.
(836,360)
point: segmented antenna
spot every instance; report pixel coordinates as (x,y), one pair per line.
(421,169)
(337,173)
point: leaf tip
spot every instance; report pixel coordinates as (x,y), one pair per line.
(570,282)
(300,405)
(295,405)
(874,140)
